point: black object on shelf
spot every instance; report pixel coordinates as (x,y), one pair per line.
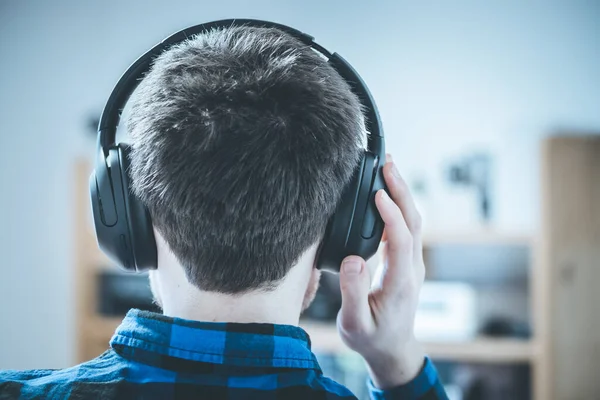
(475,171)
(119,292)
(505,327)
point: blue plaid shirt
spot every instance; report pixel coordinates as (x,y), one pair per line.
(156,357)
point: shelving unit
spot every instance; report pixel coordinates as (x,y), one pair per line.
(568,269)
(95,330)
(562,275)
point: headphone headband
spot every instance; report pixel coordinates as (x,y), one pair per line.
(123,223)
(111,115)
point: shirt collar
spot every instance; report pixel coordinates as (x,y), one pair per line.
(147,337)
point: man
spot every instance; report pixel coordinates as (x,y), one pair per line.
(243,141)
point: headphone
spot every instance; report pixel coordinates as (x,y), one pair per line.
(123,224)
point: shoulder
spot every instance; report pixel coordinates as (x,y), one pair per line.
(62,383)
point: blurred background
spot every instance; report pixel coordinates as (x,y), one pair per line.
(491,109)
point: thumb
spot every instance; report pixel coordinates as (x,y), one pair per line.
(355,282)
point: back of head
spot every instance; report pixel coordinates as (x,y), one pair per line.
(243,140)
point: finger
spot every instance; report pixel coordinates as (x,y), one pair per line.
(399,260)
(388,159)
(401,195)
(355,314)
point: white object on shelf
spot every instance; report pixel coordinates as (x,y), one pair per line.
(446,312)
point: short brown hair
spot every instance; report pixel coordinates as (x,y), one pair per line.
(243,140)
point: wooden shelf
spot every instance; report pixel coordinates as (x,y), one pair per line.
(324,338)
(481,237)
(485,350)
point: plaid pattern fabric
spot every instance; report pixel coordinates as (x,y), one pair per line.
(157,357)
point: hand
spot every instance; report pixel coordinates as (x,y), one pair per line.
(377,320)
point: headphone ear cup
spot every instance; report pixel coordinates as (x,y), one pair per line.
(139,222)
(122,223)
(108,206)
(356,227)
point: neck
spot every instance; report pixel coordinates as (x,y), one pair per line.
(252,307)
(282,305)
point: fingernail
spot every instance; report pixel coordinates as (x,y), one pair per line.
(388,158)
(352,266)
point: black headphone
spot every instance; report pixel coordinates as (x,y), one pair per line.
(123,224)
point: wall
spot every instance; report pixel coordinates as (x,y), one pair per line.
(448,78)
